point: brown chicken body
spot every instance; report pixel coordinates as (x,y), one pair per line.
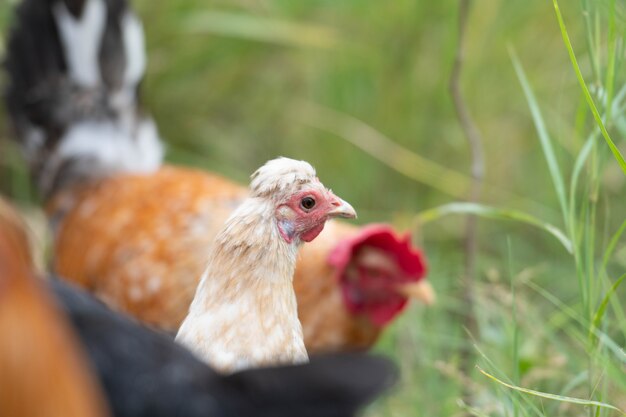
(140,242)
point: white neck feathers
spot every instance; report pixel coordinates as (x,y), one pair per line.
(244,313)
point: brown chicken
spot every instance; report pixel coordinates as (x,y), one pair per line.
(135,232)
(43,371)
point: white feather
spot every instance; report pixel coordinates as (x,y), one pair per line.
(81,40)
(113,147)
(280,174)
(135,54)
(134,48)
(35,138)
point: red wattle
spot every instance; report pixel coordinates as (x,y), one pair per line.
(374,295)
(311,234)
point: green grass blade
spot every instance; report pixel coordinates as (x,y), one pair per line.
(561,398)
(492,213)
(544,137)
(614,347)
(262,29)
(603,305)
(595,62)
(610,71)
(574,383)
(596,115)
(527,403)
(582,157)
(612,244)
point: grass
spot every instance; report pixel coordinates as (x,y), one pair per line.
(360,90)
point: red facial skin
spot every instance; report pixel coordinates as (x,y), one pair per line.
(370,266)
(295,220)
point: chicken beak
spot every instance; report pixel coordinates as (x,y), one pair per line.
(421,291)
(341,208)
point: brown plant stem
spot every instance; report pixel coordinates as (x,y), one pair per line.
(477,173)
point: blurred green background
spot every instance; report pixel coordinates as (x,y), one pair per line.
(234,83)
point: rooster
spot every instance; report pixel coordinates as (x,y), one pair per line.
(245,312)
(135,231)
(142,372)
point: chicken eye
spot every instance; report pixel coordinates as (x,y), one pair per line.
(307,203)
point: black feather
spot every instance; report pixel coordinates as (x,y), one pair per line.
(145,373)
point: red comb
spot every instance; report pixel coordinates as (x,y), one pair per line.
(381,236)
(408,258)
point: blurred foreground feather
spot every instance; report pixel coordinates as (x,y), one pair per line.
(43,371)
